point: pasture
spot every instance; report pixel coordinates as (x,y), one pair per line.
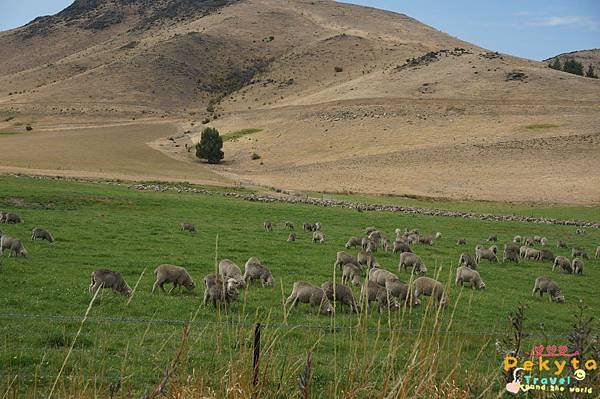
(130,344)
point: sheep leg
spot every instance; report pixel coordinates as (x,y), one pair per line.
(205,300)
(96,287)
(293,299)
(154,286)
(174,286)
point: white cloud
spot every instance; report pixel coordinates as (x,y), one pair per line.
(584,21)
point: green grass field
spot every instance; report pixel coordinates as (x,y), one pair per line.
(45,296)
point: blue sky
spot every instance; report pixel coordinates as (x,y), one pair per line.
(535,29)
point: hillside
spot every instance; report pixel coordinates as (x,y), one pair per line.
(586,57)
(350,99)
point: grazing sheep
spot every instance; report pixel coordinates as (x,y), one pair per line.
(364,242)
(307,293)
(104,278)
(511,253)
(580,232)
(545,255)
(522,250)
(430,287)
(354,242)
(545,284)
(412,239)
(544,241)
(365,259)
(490,254)
(187,227)
(12,244)
(375,235)
(12,218)
(289,225)
(414,232)
(517,239)
(371,246)
(529,242)
(380,276)
(561,244)
(492,238)
(374,241)
(387,244)
(597,251)
(577,266)
(172,274)
(531,253)
(351,273)
(563,263)
(42,234)
(318,236)
(401,290)
(373,292)
(579,253)
(218,290)
(370,229)
(268,225)
(308,227)
(461,241)
(438,235)
(229,270)
(292,237)
(537,239)
(2,213)
(426,240)
(343,258)
(408,259)
(400,246)
(467,275)
(317,226)
(255,270)
(467,260)
(343,295)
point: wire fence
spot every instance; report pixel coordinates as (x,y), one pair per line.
(272,325)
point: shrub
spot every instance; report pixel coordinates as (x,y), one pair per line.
(339,69)
(574,67)
(210,146)
(28,128)
(590,73)
(555,64)
(255,156)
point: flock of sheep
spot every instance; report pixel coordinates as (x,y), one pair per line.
(380,286)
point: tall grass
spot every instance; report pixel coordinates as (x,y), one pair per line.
(381,363)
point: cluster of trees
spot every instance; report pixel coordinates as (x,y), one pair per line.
(574,67)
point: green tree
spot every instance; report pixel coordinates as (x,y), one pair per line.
(590,73)
(210,146)
(574,67)
(555,64)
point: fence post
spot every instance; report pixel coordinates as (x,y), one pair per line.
(256,353)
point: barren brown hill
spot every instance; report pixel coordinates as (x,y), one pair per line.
(346,98)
